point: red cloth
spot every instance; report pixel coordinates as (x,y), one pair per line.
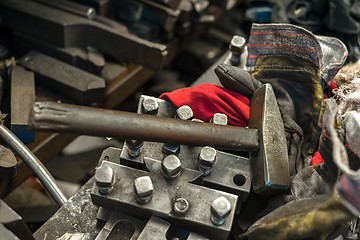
(328,93)
(207,99)
(317,159)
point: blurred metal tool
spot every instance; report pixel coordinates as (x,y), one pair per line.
(64,29)
(71,7)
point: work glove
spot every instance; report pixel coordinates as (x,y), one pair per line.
(310,218)
(299,66)
(316,217)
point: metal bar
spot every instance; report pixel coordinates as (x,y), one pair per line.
(22,100)
(76,56)
(76,84)
(50,116)
(34,163)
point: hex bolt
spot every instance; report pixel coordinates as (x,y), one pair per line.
(104,179)
(220,209)
(236,48)
(180,206)
(150,106)
(185,112)
(206,160)
(220,119)
(168,149)
(134,147)
(144,189)
(171,166)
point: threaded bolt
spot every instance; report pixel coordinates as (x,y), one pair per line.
(105,179)
(150,106)
(144,189)
(206,160)
(171,166)
(220,209)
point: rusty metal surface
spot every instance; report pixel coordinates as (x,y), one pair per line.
(64,30)
(76,84)
(22,99)
(99,122)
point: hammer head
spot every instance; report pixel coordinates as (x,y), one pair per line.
(270,166)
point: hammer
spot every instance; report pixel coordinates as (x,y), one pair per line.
(264,139)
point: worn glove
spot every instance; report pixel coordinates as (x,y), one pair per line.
(243,82)
(310,218)
(298,65)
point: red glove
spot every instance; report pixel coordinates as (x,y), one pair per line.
(207,99)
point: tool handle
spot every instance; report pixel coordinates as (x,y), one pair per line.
(57,117)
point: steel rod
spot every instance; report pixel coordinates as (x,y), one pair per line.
(57,117)
(34,163)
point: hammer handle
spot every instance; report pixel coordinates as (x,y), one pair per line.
(57,117)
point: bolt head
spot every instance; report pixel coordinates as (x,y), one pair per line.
(144,189)
(207,157)
(169,149)
(104,178)
(237,44)
(220,209)
(220,119)
(180,206)
(185,112)
(131,143)
(171,166)
(150,106)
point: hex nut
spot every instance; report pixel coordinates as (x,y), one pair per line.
(220,209)
(144,189)
(220,119)
(171,166)
(237,44)
(150,106)
(169,149)
(104,179)
(206,160)
(181,206)
(185,112)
